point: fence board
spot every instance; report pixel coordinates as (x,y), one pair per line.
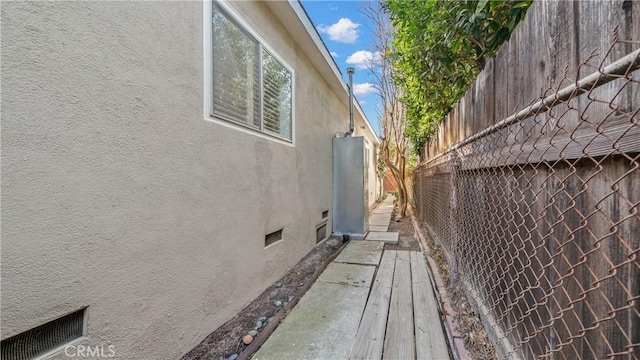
(541,217)
(501,81)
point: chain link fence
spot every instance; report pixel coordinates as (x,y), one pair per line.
(538,217)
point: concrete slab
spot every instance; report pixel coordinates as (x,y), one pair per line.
(391,237)
(384,207)
(322,325)
(380,214)
(378,228)
(379,220)
(348,274)
(361,252)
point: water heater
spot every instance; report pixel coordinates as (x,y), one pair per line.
(350,187)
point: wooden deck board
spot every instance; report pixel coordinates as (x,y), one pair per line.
(399,342)
(430,341)
(370,336)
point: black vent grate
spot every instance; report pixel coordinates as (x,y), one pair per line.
(44,338)
(325,214)
(321,233)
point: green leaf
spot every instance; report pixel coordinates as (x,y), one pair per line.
(481,5)
(434,54)
(521,5)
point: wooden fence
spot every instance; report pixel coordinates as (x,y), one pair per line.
(531,185)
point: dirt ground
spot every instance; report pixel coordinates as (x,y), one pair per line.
(226,340)
(406,240)
(470,326)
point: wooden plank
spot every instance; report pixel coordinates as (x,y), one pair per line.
(573,143)
(605,251)
(598,19)
(463,115)
(514,70)
(564,220)
(399,342)
(501,82)
(370,335)
(430,341)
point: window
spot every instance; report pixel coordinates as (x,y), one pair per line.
(250,86)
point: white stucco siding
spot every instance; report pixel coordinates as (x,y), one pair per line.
(372,145)
(117,194)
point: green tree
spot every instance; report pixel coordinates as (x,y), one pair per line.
(394,150)
(438,49)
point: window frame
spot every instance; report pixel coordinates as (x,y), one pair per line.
(233,16)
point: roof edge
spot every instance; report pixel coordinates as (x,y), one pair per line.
(306,21)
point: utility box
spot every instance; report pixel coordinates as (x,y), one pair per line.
(350,187)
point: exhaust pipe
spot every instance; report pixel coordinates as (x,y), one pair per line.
(350,71)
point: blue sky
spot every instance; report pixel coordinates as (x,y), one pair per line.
(346,32)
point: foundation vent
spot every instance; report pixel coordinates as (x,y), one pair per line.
(272,238)
(321,233)
(325,214)
(44,338)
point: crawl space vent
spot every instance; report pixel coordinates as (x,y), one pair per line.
(272,238)
(321,233)
(325,214)
(44,338)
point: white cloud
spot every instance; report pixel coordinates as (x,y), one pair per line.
(362,102)
(363,89)
(344,31)
(363,59)
(333,7)
(334,54)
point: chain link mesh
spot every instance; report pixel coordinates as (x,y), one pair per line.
(539,220)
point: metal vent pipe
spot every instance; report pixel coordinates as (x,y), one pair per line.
(350,71)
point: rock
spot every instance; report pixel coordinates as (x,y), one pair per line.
(233,357)
(269,320)
(290,298)
(221,358)
(277,303)
(278,284)
(259,324)
(262,318)
(247,339)
(253,333)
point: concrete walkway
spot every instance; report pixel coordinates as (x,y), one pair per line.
(324,323)
(379,223)
(367,304)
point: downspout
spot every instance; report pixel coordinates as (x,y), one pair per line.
(350,71)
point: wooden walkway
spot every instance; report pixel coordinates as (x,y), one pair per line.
(350,314)
(400,319)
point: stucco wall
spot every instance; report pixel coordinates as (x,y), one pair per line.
(371,144)
(118,195)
